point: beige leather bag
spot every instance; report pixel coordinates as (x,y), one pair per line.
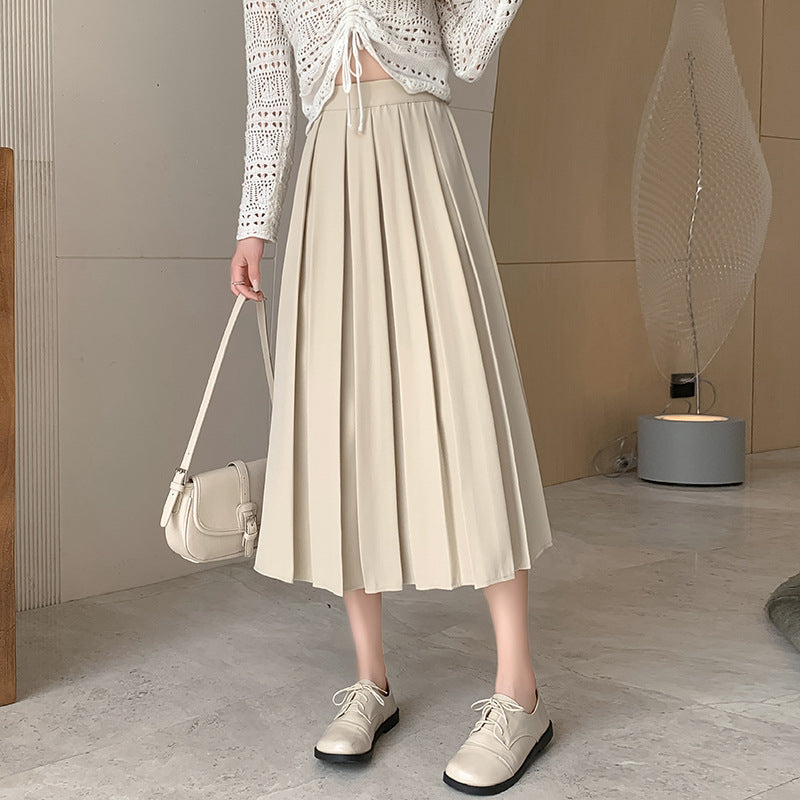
(213,516)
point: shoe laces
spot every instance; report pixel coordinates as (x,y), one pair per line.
(354,696)
(499,727)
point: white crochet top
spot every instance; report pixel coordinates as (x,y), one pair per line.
(294,48)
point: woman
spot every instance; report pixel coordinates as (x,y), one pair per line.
(400,448)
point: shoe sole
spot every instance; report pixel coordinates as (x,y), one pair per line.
(346,758)
(496,788)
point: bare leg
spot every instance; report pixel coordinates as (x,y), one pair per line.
(508,607)
(364,611)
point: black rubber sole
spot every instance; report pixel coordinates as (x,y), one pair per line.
(349,758)
(503,785)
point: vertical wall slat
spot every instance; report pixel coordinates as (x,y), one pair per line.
(26,126)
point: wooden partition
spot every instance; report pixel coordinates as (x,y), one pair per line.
(8,607)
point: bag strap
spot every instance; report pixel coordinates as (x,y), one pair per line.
(178,481)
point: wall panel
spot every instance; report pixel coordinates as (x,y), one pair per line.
(26,126)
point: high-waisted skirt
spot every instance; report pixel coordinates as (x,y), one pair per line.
(400,448)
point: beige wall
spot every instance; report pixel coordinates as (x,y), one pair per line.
(148,115)
(572,83)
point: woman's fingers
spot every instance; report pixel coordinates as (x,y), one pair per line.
(245,273)
(254,272)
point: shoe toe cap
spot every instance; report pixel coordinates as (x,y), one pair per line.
(477,767)
(344,742)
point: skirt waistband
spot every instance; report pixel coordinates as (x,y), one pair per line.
(375,93)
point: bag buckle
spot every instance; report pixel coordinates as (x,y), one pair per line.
(176,486)
(248,524)
(249,536)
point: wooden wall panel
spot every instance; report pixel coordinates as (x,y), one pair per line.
(780,115)
(8,604)
(776,372)
(587,366)
(573,78)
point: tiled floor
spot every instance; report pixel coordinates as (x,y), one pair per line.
(661,672)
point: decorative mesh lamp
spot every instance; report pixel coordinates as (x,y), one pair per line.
(701,202)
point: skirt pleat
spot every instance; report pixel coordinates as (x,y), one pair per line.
(400,448)
(430,559)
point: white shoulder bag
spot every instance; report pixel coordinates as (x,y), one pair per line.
(212,516)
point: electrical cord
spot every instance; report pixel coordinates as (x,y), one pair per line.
(626,460)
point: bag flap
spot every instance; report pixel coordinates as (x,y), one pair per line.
(216,495)
(218,492)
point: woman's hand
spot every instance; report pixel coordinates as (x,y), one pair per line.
(245,267)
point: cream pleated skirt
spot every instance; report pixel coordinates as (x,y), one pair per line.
(400,448)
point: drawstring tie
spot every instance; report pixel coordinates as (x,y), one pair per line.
(346,72)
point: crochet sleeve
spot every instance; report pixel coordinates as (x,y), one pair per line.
(270,120)
(471,30)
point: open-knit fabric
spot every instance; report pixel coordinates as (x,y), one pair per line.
(294,48)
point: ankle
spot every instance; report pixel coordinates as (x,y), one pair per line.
(526,693)
(378,678)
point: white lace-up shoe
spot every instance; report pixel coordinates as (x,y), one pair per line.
(501,745)
(366,713)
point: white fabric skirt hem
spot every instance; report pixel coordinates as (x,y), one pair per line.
(480,584)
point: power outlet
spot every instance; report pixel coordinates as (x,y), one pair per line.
(682,384)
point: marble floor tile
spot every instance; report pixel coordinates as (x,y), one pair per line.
(786,791)
(661,671)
